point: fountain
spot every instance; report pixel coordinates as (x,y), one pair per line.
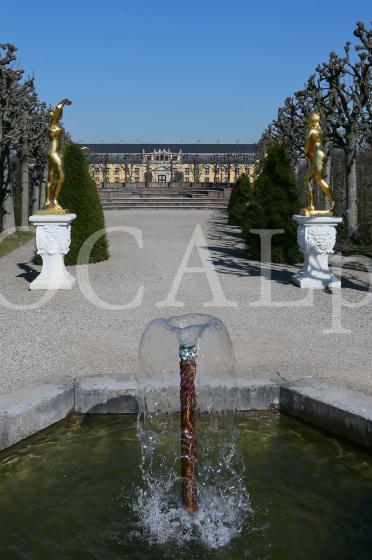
(211,489)
(190,476)
(161,348)
(90,487)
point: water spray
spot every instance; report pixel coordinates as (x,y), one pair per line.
(192,484)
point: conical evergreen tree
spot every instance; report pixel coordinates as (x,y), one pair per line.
(240,197)
(79,194)
(274,201)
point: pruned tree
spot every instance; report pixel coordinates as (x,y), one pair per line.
(172,165)
(239,161)
(37,145)
(99,163)
(24,121)
(15,98)
(342,89)
(363,67)
(228,164)
(246,163)
(196,165)
(149,173)
(290,126)
(215,161)
(32,152)
(128,162)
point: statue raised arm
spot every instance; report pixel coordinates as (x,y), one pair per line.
(57,112)
(55,165)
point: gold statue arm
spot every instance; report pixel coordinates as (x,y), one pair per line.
(58,111)
(309,146)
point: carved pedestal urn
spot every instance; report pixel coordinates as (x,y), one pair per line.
(53,237)
(316,237)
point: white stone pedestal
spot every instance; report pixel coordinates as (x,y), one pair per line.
(53,237)
(316,237)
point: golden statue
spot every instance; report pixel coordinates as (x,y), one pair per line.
(315,155)
(55,165)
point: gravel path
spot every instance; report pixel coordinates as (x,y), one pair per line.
(69,335)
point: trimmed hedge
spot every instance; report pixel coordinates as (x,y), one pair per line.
(274,201)
(240,197)
(268,204)
(79,194)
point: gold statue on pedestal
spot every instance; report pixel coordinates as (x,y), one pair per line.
(317,158)
(55,164)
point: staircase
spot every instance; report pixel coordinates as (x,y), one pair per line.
(161,197)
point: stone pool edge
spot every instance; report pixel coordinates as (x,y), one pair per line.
(339,411)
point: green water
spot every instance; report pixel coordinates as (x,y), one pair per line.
(66,494)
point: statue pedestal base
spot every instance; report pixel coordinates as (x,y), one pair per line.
(53,237)
(316,237)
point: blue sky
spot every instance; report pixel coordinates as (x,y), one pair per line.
(172,70)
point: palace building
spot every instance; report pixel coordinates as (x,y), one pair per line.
(112,164)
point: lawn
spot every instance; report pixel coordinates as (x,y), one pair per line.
(15,240)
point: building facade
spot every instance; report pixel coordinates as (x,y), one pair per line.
(113,164)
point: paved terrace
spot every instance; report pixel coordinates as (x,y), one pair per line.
(69,335)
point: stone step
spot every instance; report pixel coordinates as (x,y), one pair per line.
(162,207)
(165,204)
(159,189)
(166,200)
(126,194)
(162,199)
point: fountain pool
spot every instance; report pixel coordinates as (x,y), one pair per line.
(72,492)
